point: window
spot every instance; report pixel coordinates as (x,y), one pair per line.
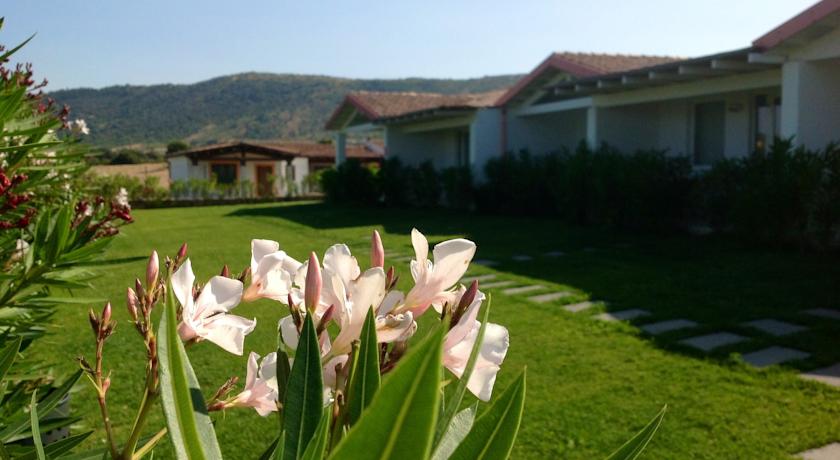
(224,173)
(709,129)
(768,121)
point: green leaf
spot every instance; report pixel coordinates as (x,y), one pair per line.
(318,445)
(190,427)
(21,422)
(59,447)
(454,403)
(400,421)
(272,451)
(494,433)
(459,428)
(634,447)
(283,371)
(304,400)
(36,431)
(7,357)
(364,380)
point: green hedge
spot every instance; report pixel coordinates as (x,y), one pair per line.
(788,195)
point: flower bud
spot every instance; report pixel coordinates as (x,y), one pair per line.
(225,272)
(245,274)
(106,314)
(94,322)
(138,287)
(106,384)
(152,270)
(131,302)
(312,290)
(182,252)
(377,252)
(465,302)
(325,320)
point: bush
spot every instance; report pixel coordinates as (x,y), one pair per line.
(204,189)
(351,182)
(147,189)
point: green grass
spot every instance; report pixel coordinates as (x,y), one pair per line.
(591,385)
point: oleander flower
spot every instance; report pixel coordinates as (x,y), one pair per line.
(206,317)
(260,385)
(434,281)
(271,272)
(459,343)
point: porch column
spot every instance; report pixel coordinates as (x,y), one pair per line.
(791,78)
(340,147)
(592,127)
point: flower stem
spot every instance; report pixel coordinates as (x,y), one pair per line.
(101,395)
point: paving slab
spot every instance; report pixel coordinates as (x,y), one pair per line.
(523,289)
(828,452)
(551,296)
(829,375)
(486,262)
(497,284)
(824,313)
(709,342)
(662,327)
(479,278)
(775,327)
(554,254)
(578,307)
(623,315)
(773,355)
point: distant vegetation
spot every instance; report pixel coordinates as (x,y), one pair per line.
(250,105)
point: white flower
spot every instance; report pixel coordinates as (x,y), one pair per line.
(207,316)
(261,389)
(459,343)
(79,127)
(19,253)
(271,272)
(121,198)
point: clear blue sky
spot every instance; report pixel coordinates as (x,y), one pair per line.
(96,43)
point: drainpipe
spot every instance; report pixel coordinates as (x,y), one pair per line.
(504,137)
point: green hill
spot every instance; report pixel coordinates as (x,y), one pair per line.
(249,105)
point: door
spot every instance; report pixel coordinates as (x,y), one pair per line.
(265,180)
(709,132)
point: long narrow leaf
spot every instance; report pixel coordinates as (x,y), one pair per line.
(494,433)
(21,422)
(190,427)
(58,448)
(7,357)
(457,431)
(318,445)
(36,430)
(634,447)
(400,421)
(271,451)
(364,381)
(304,400)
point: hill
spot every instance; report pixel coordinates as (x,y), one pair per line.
(249,105)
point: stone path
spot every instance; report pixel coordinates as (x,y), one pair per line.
(497,284)
(773,355)
(709,342)
(523,289)
(542,298)
(578,307)
(485,262)
(522,258)
(829,375)
(667,326)
(824,313)
(623,315)
(829,452)
(775,327)
(554,254)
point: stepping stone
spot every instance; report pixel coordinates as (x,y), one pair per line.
(828,452)
(497,284)
(774,355)
(667,326)
(824,313)
(623,315)
(522,258)
(775,327)
(542,298)
(829,375)
(709,342)
(485,262)
(479,278)
(578,307)
(554,254)
(522,289)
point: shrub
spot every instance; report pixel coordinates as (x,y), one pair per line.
(147,189)
(457,187)
(351,182)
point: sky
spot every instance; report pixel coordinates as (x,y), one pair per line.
(98,43)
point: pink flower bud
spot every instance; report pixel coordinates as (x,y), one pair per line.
(94,322)
(106,384)
(377,252)
(312,290)
(225,272)
(182,252)
(106,313)
(152,270)
(131,302)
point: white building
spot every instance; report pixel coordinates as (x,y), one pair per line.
(726,105)
(272,169)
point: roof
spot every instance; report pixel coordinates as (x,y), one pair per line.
(282,150)
(578,65)
(800,24)
(378,106)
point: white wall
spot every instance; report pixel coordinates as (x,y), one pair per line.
(550,132)
(413,148)
(485,140)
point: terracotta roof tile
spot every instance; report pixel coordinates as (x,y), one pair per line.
(391,104)
(609,63)
(286,149)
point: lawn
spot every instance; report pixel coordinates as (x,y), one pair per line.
(591,384)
